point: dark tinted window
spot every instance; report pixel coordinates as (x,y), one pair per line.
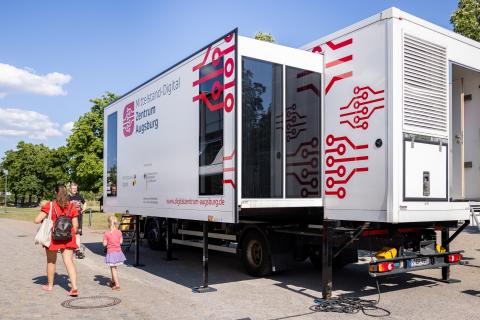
(112,155)
(211,132)
(262,130)
(302,133)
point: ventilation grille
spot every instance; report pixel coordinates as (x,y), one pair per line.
(424,87)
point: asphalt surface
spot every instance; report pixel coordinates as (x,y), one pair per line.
(162,289)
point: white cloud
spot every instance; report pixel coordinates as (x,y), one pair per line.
(13,79)
(25,123)
(67,127)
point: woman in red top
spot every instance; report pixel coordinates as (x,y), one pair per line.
(61,206)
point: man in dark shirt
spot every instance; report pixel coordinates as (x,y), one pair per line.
(78,201)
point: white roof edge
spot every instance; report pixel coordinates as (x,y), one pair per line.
(265,43)
(429,25)
(390,13)
(385,14)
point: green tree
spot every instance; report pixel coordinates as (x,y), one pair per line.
(57,169)
(85,146)
(466,19)
(28,171)
(263,36)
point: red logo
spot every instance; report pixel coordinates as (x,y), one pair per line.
(128,119)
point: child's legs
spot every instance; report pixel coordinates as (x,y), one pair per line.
(115,275)
(51,262)
(67,256)
(111,272)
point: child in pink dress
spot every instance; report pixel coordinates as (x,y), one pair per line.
(112,240)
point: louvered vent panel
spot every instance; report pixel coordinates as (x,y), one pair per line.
(424,87)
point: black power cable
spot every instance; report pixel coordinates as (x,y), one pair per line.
(351,305)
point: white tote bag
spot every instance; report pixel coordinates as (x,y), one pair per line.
(44,234)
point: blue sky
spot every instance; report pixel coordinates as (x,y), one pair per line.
(56,55)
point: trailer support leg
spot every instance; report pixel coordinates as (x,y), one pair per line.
(445,270)
(445,235)
(168,239)
(137,243)
(204,288)
(327,260)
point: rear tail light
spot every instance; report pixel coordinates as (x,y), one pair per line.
(455,257)
(382,267)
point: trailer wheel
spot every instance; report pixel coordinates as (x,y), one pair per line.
(256,255)
(155,235)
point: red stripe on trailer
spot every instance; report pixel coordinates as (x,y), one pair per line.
(337,78)
(338,61)
(336,46)
(229,181)
(230,157)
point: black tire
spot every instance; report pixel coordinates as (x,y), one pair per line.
(255,254)
(155,234)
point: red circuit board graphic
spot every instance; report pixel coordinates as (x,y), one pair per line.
(340,151)
(303,164)
(361,107)
(295,123)
(308,166)
(228,70)
(213,55)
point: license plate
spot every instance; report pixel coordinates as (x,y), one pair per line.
(418,262)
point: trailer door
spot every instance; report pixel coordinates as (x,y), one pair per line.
(280,126)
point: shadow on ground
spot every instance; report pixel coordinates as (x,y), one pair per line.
(471,229)
(474,293)
(102,280)
(61,280)
(186,270)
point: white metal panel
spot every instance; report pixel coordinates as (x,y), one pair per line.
(425,159)
(421,211)
(280,54)
(355,118)
(158,169)
(460,50)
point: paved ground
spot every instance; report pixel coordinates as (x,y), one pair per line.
(162,290)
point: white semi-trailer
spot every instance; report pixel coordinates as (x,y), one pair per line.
(364,139)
